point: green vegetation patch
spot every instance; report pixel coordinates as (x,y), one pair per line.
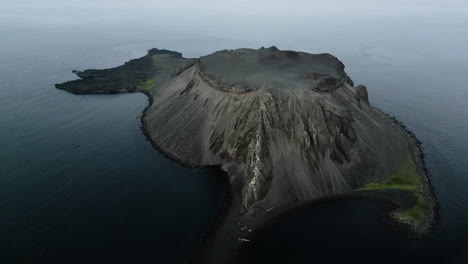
(147,86)
(406,179)
(416,214)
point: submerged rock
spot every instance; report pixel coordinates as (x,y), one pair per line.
(287,126)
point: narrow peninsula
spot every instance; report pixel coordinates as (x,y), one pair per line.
(287,127)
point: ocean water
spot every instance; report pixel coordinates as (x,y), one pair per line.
(355,234)
(79,183)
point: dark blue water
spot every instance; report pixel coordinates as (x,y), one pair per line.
(349,236)
(78,181)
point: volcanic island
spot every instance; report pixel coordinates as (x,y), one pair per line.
(288,128)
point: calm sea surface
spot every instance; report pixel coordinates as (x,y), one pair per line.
(79,183)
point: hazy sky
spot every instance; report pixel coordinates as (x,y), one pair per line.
(293,22)
(104,11)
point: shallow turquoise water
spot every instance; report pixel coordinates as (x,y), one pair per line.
(78,181)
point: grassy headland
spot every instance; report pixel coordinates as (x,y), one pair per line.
(406,178)
(146,86)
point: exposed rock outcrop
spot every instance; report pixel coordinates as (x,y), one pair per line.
(361,94)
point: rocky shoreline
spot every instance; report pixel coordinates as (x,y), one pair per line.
(419,157)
